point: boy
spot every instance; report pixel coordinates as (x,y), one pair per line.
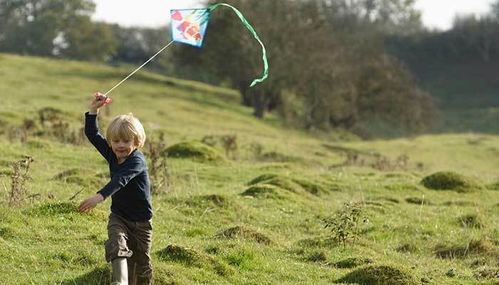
(129,228)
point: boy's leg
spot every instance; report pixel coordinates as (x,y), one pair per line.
(116,245)
(142,236)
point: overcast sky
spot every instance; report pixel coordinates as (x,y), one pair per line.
(154,13)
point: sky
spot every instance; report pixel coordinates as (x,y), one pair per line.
(437,14)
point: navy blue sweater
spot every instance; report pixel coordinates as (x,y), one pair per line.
(129,187)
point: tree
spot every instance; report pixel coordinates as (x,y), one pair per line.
(49,27)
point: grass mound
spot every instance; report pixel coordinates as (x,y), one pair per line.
(191,257)
(493,186)
(471,221)
(79,177)
(487,273)
(474,247)
(460,203)
(295,185)
(262,190)
(216,200)
(99,276)
(319,256)
(195,150)
(379,275)
(418,201)
(448,180)
(408,248)
(352,262)
(244,233)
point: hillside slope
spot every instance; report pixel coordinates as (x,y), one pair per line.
(253,208)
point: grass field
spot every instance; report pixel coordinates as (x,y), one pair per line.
(252,208)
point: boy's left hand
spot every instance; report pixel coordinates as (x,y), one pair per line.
(90,203)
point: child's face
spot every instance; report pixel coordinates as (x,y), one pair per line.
(122,148)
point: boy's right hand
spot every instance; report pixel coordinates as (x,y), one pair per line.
(99,101)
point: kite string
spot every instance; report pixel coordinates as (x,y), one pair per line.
(138,68)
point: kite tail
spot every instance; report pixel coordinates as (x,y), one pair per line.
(255,35)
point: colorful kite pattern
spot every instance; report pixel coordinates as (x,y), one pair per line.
(189,27)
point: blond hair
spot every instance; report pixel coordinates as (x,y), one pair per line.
(126,127)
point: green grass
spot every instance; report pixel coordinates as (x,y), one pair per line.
(205,231)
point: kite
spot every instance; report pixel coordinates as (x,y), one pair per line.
(188,26)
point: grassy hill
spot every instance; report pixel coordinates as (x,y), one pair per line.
(250,204)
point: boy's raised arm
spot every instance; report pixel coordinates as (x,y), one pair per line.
(92,128)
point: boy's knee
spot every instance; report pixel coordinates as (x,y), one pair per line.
(116,247)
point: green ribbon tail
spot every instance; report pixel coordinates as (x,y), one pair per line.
(255,35)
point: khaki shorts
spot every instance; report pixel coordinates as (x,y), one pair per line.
(131,240)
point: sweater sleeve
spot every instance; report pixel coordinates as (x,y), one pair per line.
(93,135)
(129,169)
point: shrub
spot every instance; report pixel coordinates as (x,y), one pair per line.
(346,223)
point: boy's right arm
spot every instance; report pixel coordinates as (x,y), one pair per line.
(92,129)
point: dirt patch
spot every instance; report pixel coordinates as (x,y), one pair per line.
(382,274)
(244,233)
(448,180)
(195,150)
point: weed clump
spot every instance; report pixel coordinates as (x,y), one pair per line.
(195,150)
(474,247)
(191,257)
(244,233)
(379,275)
(262,190)
(352,262)
(447,180)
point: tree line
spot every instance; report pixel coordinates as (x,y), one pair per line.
(331,61)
